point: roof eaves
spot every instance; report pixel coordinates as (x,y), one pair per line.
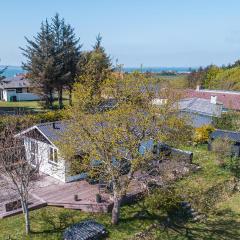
(32,128)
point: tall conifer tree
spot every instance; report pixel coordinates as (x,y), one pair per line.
(51,59)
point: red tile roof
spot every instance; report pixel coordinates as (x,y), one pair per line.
(230,99)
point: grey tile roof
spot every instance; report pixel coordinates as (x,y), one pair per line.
(15,82)
(231,135)
(53,130)
(201,106)
(87,230)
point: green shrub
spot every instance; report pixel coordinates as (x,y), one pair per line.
(234,166)
(206,200)
(228,121)
(24,121)
(222,147)
(162,200)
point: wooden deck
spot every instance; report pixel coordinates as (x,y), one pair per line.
(62,195)
(48,191)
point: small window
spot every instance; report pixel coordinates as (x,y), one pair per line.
(18,90)
(53,155)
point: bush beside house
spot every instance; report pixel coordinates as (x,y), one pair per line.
(202,134)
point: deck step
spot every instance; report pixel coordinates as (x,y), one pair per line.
(34,206)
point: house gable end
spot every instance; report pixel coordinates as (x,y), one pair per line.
(36,134)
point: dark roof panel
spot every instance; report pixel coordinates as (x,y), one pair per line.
(87,230)
(231,135)
(15,82)
(53,130)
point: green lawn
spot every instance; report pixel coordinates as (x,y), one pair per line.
(24,104)
(223,222)
(34,105)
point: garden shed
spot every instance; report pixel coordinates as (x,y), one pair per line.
(233,136)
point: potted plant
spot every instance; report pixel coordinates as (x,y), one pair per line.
(98,198)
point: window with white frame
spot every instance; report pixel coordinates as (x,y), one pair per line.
(33,152)
(53,155)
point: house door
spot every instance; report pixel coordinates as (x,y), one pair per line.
(13,98)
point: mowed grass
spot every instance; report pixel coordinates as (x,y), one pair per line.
(49,223)
(222,223)
(22,104)
(33,105)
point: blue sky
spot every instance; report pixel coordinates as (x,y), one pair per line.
(148,32)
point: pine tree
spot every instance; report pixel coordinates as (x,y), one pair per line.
(51,59)
(68,51)
(41,63)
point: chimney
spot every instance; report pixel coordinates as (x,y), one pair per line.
(55,125)
(214,99)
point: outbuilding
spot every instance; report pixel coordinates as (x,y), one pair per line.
(233,136)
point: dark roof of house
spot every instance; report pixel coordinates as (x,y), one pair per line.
(87,230)
(18,81)
(200,106)
(230,99)
(52,130)
(231,135)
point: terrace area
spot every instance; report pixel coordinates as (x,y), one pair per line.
(48,191)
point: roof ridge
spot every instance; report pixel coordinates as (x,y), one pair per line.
(48,123)
(228,131)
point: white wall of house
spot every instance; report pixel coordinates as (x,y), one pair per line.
(24,96)
(59,170)
(56,170)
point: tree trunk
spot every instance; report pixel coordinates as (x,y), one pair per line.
(50,99)
(26,216)
(70,96)
(116,209)
(60,98)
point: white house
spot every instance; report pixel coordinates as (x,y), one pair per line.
(16,89)
(41,150)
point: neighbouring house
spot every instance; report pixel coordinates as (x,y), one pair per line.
(200,111)
(233,136)
(229,99)
(41,140)
(16,88)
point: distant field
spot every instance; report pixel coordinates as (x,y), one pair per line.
(178,81)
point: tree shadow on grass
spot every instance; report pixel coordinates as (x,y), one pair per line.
(224,225)
(53,224)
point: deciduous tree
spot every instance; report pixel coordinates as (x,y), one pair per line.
(94,67)
(16,168)
(121,137)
